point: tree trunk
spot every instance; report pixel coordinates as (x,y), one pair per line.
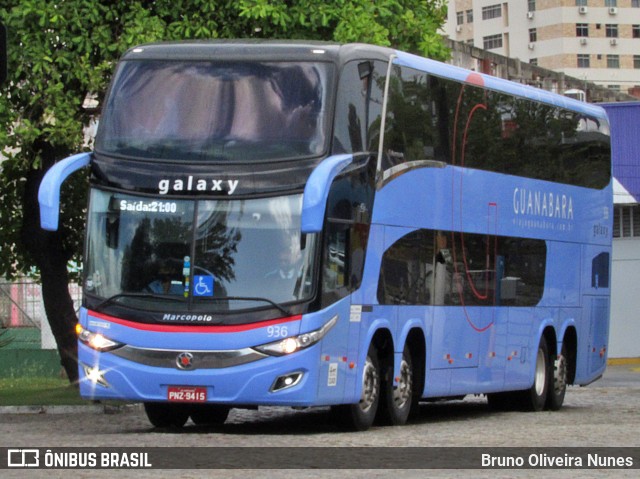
(48,251)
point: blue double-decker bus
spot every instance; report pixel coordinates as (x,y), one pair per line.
(313,224)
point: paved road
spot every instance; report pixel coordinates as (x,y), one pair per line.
(605,414)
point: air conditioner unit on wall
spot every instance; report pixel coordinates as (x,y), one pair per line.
(459,28)
(583,10)
(614,41)
(532,46)
(583,41)
(529,15)
(613,10)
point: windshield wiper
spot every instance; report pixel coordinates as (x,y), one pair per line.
(180,299)
(253,298)
(111,299)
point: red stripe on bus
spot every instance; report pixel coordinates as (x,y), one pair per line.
(174,328)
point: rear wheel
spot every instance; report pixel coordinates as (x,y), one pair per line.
(399,397)
(166,415)
(558,381)
(535,398)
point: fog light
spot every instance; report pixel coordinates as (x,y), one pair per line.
(286,381)
(94,375)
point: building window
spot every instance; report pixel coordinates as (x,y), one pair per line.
(626,221)
(531,5)
(459,18)
(533,35)
(635,30)
(611,31)
(582,29)
(636,62)
(492,41)
(582,3)
(470,16)
(610,3)
(583,60)
(613,61)
(635,3)
(492,11)
(613,87)
(533,61)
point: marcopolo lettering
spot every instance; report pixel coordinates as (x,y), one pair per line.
(191,183)
(194,318)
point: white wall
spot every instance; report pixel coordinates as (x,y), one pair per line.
(624,335)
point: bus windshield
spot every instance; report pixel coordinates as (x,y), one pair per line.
(179,255)
(216,112)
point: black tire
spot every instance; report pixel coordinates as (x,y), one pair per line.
(360,416)
(535,398)
(398,399)
(166,415)
(558,381)
(209,414)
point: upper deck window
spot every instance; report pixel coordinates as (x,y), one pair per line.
(216,111)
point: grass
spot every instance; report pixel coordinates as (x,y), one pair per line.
(38,391)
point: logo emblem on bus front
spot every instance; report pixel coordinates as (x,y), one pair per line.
(184,360)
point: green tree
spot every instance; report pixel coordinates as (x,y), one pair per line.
(62,52)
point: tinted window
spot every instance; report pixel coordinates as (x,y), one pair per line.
(431,118)
(359,107)
(204,111)
(445,268)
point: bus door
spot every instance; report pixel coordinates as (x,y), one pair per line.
(595,308)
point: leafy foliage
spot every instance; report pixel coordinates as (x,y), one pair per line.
(62,52)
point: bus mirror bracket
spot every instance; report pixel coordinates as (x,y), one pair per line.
(49,192)
(316,191)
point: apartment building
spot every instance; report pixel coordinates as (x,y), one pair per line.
(594,40)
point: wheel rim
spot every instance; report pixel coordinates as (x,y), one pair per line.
(541,373)
(370,386)
(402,394)
(560,375)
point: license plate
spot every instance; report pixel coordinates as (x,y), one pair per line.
(186,394)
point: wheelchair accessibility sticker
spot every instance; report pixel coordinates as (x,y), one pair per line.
(202,285)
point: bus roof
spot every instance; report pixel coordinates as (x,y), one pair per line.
(278,50)
(290,50)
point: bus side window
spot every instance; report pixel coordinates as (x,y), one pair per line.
(406,272)
(335,270)
(410,133)
(359,107)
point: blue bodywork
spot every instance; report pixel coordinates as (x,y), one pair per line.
(468,349)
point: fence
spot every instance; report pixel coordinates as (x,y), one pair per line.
(21,304)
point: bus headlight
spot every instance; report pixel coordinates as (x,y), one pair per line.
(96,340)
(296,343)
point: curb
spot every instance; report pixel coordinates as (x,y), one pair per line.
(623,361)
(84,409)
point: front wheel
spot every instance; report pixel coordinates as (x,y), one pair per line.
(166,415)
(209,414)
